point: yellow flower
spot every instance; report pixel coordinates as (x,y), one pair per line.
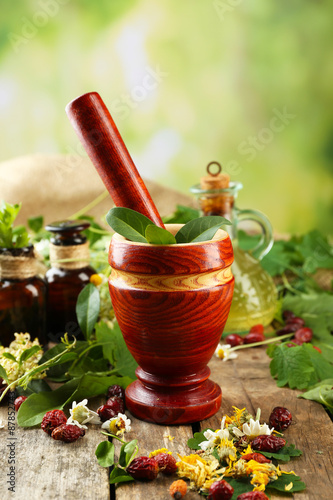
(157,452)
(96,279)
(261,474)
(201,473)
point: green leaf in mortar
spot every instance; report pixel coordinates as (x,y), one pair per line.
(129,223)
(159,236)
(201,229)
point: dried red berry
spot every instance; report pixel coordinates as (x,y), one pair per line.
(220,490)
(111,409)
(317,348)
(116,390)
(166,463)
(233,339)
(296,321)
(143,469)
(116,403)
(253,337)
(253,495)
(287,315)
(18,401)
(268,443)
(257,329)
(258,457)
(280,418)
(287,329)
(304,335)
(67,433)
(53,419)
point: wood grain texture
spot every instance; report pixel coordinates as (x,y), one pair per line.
(172,331)
(106,149)
(46,469)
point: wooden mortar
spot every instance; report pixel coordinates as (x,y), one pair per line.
(171,303)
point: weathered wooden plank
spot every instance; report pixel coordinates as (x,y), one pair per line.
(50,469)
(151,437)
(246,381)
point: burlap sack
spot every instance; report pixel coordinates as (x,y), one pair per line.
(58,186)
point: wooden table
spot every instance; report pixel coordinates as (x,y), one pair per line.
(50,470)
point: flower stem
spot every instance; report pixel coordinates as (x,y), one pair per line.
(90,205)
(264,342)
(24,379)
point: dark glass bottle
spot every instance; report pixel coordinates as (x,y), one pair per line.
(22,295)
(66,278)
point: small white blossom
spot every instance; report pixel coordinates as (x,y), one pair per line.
(214,437)
(253,429)
(81,414)
(223,351)
(118,425)
(1,424)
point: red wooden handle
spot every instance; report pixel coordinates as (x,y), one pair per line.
(106,149)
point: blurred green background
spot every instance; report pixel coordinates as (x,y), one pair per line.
(246,83)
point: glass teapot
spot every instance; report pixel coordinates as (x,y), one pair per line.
(255,296)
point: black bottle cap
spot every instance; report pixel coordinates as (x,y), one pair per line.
(68,232)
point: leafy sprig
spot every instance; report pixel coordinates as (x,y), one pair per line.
(136,227)
(10,236)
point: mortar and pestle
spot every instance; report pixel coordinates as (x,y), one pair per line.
(171,301)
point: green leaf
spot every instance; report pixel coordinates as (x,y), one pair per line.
(126,452)
(3,374)
(105,454)
(201,229)
(129,223)
(115,349)
(285,480)
(321,393)
(58,370)
(11,237)
(33,409)
(36,223)
(292,366)
(20,237)
(87,309)
(159,236)
(198,438)
(119,475)
(34,387)
(182,215)
(285,454)
(9,356)
(28,353)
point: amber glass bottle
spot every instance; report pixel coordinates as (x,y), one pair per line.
(22,295)
(69,273)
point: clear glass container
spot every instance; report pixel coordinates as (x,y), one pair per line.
(255,296)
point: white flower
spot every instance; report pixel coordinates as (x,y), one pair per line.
(1,424)
(253,429)
(118,425)
(80,415)
(224,352)
(214,437)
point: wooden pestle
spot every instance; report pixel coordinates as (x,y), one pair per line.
(101,139)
